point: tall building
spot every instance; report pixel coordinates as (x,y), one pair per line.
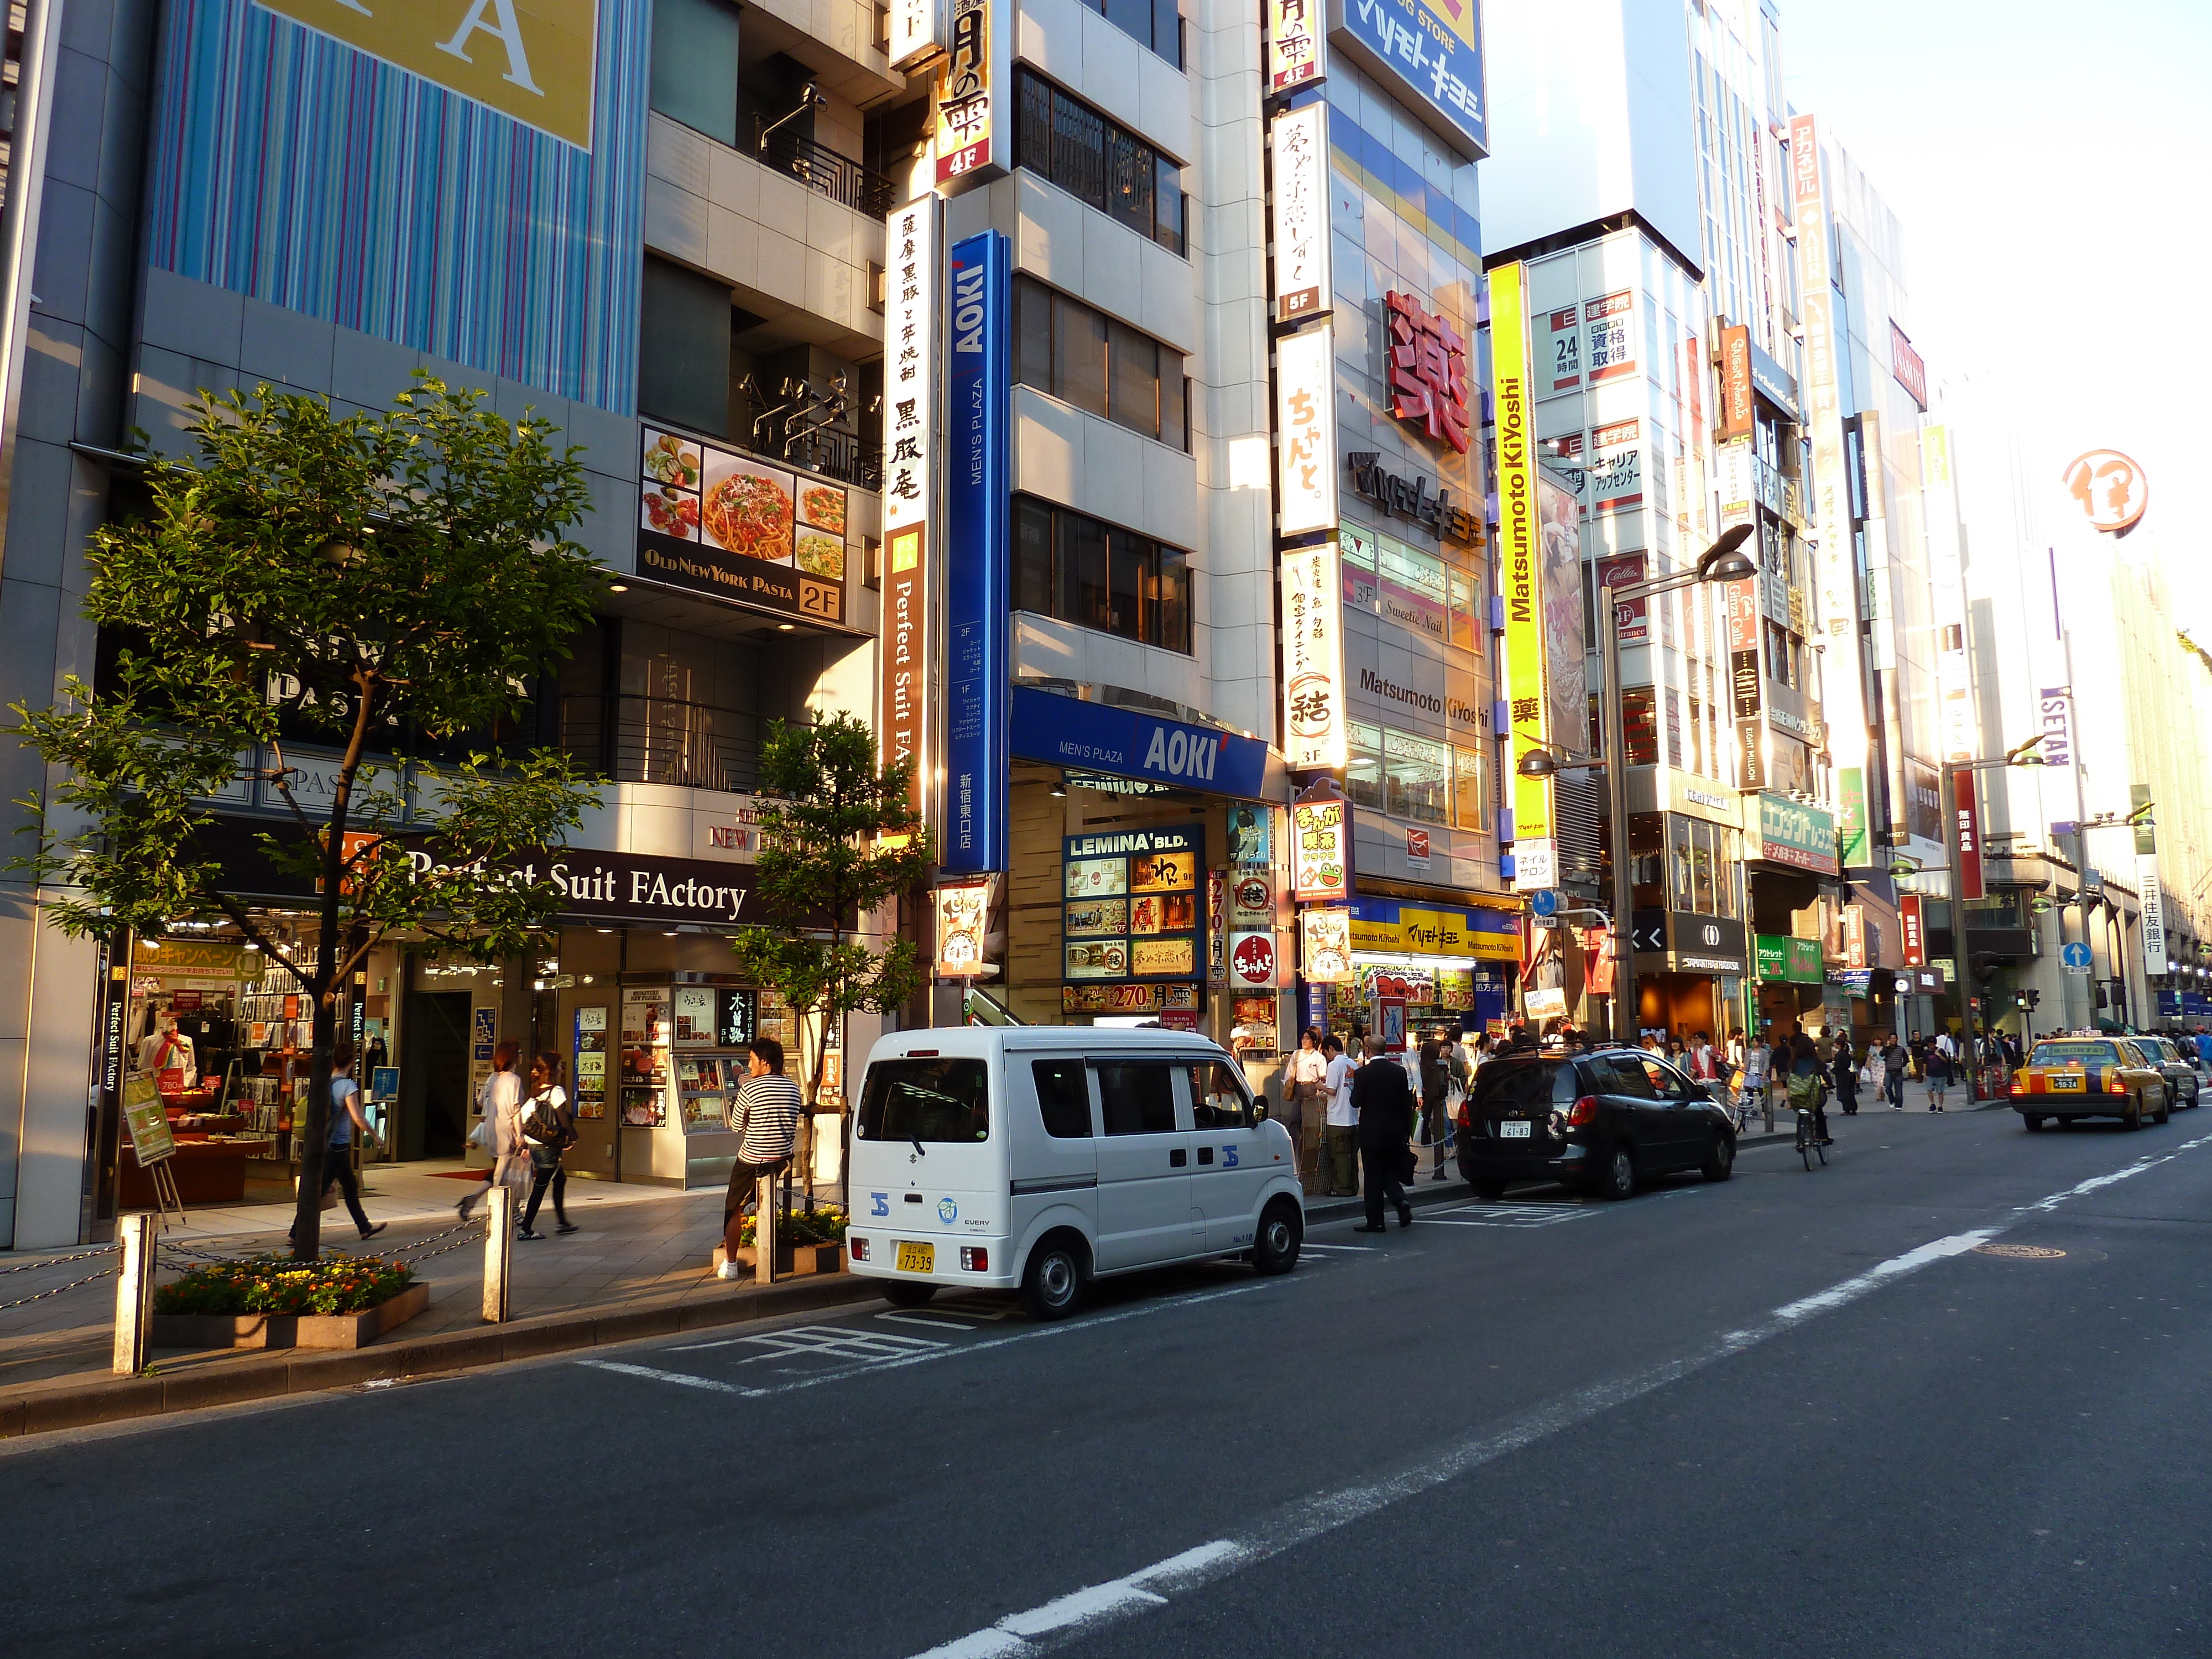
(660,228)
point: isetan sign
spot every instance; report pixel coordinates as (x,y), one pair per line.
(1904,363)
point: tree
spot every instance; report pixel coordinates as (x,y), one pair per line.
(838,836)
(380,584)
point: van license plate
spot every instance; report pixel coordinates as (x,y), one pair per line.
(917,1258)
(1513,1129)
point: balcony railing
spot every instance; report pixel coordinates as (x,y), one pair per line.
(840,177)
(645,739)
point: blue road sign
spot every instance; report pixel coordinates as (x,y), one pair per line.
(1544,902)
(2076,957)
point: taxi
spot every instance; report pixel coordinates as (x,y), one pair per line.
(2076,1077)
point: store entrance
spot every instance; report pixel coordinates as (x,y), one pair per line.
(433,1077)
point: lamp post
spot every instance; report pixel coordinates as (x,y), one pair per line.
(1722,561)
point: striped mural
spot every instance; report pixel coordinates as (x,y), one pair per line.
(298,170)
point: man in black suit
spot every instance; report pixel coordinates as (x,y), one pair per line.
(1382,1099)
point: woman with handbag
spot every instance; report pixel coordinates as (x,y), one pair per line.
(549,1129)
(498,1131)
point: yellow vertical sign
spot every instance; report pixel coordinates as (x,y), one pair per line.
(1522,546)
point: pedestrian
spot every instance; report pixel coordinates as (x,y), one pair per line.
(1436,1078)
(1752,1096)
(1846,1074)
(1355,1046)
(549,1129)
(1893,1072)
(1936,1068)
(1383,1100)
(1343,1130)
(499,1102)
(346,1119)
(1302,1102)
(765,1116)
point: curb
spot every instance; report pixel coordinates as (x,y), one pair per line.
(113,1400)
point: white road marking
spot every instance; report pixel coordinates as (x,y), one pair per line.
(920,1319)
(1364,1249)
(823,1338)
(1020,1635)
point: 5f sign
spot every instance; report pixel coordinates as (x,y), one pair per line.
(532,60)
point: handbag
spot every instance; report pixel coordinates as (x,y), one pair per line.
(1408,1166)
(1867,1076)
(481,1137)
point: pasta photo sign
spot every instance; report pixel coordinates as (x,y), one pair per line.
(723,524)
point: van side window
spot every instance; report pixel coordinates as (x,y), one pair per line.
(1064,1098)
(1138,1097)
(1217,1100)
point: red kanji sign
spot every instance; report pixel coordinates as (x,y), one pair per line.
(1428,371)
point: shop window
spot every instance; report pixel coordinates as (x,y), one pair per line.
(1069,565)
(1415,771)
(1064,140)
(1470,790)
(684,348)
(695,65)
(1138,1098)
(1362,772)
(1466,620)
(1701,888)
(1063,1088)
(1065,348)
(1641,726)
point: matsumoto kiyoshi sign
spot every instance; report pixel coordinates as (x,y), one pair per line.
(1432,48)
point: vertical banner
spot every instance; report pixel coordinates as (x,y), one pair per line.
(912,256)
(979,299)
(1912,923)
(2055,714)
(1314,738)
(1745,686)
(1520,574)
(2154,914)
(914,33)
(1295,57)
(1298,216)
(1305,420)
(974,93)
(1966,834)
(1843,691)
(1736,383)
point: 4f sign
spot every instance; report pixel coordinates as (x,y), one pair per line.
(532,60)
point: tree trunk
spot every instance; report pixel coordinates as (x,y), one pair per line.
(314,1149)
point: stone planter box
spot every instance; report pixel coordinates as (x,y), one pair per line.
(793,1261)
(353,1330)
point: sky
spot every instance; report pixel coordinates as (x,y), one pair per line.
(2048,163)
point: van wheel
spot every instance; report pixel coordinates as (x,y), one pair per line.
(907,1293)
(1052,1284)
(1488,1191)
(1281,1230)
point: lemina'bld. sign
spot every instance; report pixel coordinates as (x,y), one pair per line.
(1438,513)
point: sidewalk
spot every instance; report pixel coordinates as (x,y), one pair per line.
(636,1243)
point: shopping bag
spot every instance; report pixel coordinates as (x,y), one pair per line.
(481,1136)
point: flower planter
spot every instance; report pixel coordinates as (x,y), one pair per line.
(793,1261)
(261,1330)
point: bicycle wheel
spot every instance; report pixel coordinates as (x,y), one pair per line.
(1821,1149)
(1804,1141)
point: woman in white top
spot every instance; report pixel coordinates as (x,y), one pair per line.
(499,1100)
(549,1129)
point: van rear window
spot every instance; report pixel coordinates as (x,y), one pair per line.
(925,1100)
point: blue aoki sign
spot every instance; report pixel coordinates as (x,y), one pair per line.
(977,601)
(1095,738)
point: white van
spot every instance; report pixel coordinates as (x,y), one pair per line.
(1041,1157)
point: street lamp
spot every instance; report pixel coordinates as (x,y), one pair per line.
(1723,562)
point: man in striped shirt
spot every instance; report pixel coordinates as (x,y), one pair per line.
(766,1115)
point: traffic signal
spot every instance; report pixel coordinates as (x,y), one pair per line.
(2030,997)
(2023,1002)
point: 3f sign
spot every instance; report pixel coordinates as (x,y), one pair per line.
(533,61)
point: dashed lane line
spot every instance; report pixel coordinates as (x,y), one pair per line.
(1039,1630)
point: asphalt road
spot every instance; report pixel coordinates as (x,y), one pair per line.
(1793,1414)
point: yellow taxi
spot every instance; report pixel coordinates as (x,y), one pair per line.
(2075,1077)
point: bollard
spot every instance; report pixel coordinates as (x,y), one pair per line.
(134,1293)
(499,1246)
(764,1230)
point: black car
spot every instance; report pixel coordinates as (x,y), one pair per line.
(1607,1120)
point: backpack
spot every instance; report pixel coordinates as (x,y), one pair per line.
(1804,1090)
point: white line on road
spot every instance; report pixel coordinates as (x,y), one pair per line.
(1019,1635)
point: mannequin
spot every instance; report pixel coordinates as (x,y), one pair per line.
(172,1050)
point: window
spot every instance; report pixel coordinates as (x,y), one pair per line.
(1065,348)
(684,348)
(1470,791)
(1069,565)
(1138,1097)
(1063,1088)
(1217,1098)
(1415,771)
(1061,139)
(1517,1083)
(1623,1074)
(933,1100)
(1465,608)
(695,65)
(1362,772)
